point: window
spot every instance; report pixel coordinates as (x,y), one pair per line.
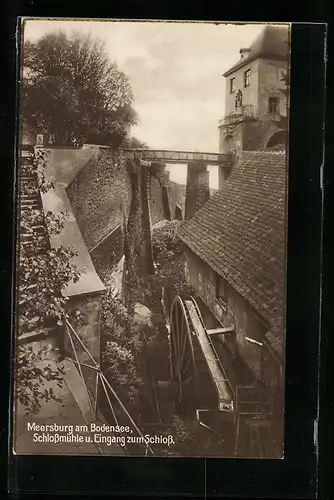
(273,105)
(221,291)
(232,85)
(247,78)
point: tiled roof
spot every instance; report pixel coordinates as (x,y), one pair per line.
(240,233)
(272,41)
(275,339)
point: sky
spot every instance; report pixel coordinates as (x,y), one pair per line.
(175,70)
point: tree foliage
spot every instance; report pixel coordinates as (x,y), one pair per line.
(188,439)
(73,93)
(167,248)
(32,379)
(43,271)
(120,345)
(134,143)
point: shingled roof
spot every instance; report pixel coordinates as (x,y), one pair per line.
(272,42)
(240,233)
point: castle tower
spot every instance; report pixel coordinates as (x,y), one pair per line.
(256,94)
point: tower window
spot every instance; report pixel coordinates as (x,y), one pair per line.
(232,85)
(273,105)
(247,78)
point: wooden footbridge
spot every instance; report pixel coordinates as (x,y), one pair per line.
(179,157)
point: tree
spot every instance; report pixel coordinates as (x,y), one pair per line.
(73,93)
(133,143)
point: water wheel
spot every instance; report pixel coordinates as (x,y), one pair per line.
(182,358)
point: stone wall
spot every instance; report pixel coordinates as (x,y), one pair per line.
(197,189)
(255,135)
(100,194)
(108,253)
(156,201)
(270,85)
(177,196)
(103,195)
(247,135)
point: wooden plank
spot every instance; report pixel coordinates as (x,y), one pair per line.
(225,393)
(217,331)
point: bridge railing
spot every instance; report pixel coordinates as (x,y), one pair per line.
(179,156)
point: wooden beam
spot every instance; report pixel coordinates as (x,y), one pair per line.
(219,378)
(222,330)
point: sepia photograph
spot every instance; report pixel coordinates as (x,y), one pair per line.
(151,238)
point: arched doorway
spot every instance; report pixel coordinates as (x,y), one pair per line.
(278,140)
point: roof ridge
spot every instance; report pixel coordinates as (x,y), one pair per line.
(267,151)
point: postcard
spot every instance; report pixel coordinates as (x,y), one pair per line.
(151,238)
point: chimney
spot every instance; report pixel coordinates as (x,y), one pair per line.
(244,52)
(197,188)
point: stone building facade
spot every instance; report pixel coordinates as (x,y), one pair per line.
(256,95)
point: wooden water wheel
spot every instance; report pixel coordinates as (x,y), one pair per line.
(200,385)
(182,357)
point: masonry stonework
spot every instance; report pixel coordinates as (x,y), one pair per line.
(107,193)
(197,189)
(101,195)
(108,253)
